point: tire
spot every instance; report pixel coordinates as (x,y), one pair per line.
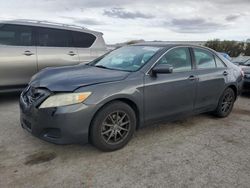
(226,103)
(113,126)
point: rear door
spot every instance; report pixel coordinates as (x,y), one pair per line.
(171,94)
(18,61)
(83,42)
(54,48)
(212,74)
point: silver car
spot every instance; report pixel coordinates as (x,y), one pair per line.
(27,46)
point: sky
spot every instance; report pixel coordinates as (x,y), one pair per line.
(125,20)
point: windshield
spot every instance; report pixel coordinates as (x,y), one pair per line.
(129,58)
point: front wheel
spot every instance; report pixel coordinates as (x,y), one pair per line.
(226,103)
(113,126)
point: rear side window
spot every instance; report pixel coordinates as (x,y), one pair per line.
(178,58)
(204,59)
(15,35)
(83,40)
(219,63)
(53,37)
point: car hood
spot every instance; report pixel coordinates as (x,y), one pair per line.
(69,78)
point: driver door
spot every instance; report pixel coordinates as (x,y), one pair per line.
(171,94)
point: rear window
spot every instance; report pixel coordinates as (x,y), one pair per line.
(83,40)
(53,37)
(15,35)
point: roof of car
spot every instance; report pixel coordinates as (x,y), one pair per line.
(167,44)
(42,23)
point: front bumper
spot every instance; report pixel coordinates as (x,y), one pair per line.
(59,125)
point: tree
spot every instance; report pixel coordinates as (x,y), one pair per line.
(135,41)
(233,48)
(247,50)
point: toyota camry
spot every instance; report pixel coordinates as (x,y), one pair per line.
(105,101)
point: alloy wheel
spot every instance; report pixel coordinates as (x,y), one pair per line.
(227,102)
(115,127)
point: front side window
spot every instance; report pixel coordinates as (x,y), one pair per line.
(204,59)
(15,35)
(129,58)
(179,59)
(53,37)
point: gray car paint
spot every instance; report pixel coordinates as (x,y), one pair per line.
(160,100)
(154,98)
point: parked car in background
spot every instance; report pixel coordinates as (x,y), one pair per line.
(106,100)
(225,55)
(241,60)
(244,64)
(28,46)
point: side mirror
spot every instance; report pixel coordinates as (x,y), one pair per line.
(162,69)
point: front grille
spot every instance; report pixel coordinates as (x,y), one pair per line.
(34,96)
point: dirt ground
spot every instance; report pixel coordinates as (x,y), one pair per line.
(200,151)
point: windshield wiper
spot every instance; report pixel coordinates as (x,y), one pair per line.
(101,66)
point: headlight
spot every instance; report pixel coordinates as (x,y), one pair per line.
(65,99)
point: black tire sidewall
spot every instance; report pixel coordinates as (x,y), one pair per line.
(219,111)
(95,129)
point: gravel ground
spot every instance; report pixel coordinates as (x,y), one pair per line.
(199,151)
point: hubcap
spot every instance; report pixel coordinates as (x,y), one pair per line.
(115,127)
(227,102)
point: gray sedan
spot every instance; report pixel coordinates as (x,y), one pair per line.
(105,101)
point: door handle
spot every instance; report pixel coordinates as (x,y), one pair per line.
(28,53)
(71,53)
(192,77)
(225,73)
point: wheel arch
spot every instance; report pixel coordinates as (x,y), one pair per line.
(125,100)
(234,88)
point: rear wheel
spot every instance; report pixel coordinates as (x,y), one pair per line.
(113,126)
(226,103)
